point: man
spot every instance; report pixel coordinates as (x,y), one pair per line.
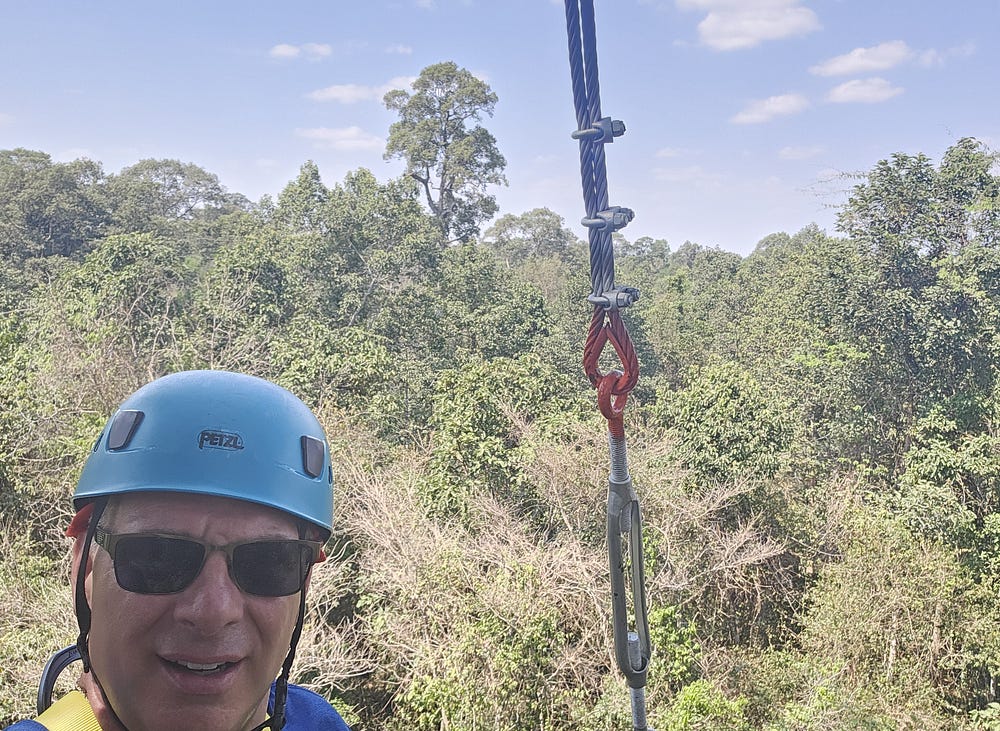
(201,511)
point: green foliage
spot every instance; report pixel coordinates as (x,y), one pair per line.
(538,233)
(891,611)
(243,302)
(35,620)
(478,411)
(815,439)
(641,262)
(695,302)
(496,676)
(701,706)
(925,315)
(958,475)
(48,208)
(676,646)
(986,719)
(301,202)
(127,288)
(388,247)
(473,308)
(726,425)
(790,691)
(166,195)
(906,206)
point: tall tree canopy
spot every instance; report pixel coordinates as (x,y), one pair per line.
(453,161)
(48,208)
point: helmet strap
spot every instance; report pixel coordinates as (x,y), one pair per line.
(83,615)
(277,720)
(82,607)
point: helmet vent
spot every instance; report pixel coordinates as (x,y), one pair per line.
(313,453)
(123,429)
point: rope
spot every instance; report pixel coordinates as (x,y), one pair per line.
(632,646)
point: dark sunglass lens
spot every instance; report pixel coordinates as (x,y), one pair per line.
(155,565)
(271,568)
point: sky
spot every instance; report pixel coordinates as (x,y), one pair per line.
(744,117)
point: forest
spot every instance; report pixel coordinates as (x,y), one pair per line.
(815,434)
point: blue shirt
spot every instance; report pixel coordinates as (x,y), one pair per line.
(307,711)
(304,711)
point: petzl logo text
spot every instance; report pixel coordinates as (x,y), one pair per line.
(219,440)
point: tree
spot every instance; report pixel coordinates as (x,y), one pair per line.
(473,307)
(114,317)
(638,263)
(453,162)
(351,249)
(537,233)
(242,304)
(893,612)
(694,304)
(907,208)
(926,309)
(475,444)
(726,426)
(795,338)
(386,241)
(300,204)
(153,191)
(48,208)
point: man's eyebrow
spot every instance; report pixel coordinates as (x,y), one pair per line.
(277,533)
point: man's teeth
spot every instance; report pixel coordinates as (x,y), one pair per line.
(199,666)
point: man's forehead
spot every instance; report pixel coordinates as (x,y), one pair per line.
(164,509)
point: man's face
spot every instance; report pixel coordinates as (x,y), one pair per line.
(156,655)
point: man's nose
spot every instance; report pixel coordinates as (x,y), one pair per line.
(212,601)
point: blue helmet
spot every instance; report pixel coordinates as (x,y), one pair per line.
(215,433)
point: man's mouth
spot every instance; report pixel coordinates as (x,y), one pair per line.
(208,674)
(201,668)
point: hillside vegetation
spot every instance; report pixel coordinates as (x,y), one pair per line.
(814,438)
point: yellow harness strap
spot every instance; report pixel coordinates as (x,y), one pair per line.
(70,713)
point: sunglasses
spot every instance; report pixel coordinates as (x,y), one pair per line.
(156,563)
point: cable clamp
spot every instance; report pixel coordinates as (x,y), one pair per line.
(611,219)
(604,130)
(616,299)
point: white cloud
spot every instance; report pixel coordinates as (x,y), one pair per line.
(736,24)
(6,118)
(800,152)
(933,57)
(764,110)
(341,138)
(352,93)
(317,50)
(864,60)
(886,56)
(343,93)
(864,91)
(400,49)
(312,51)
(284,50)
